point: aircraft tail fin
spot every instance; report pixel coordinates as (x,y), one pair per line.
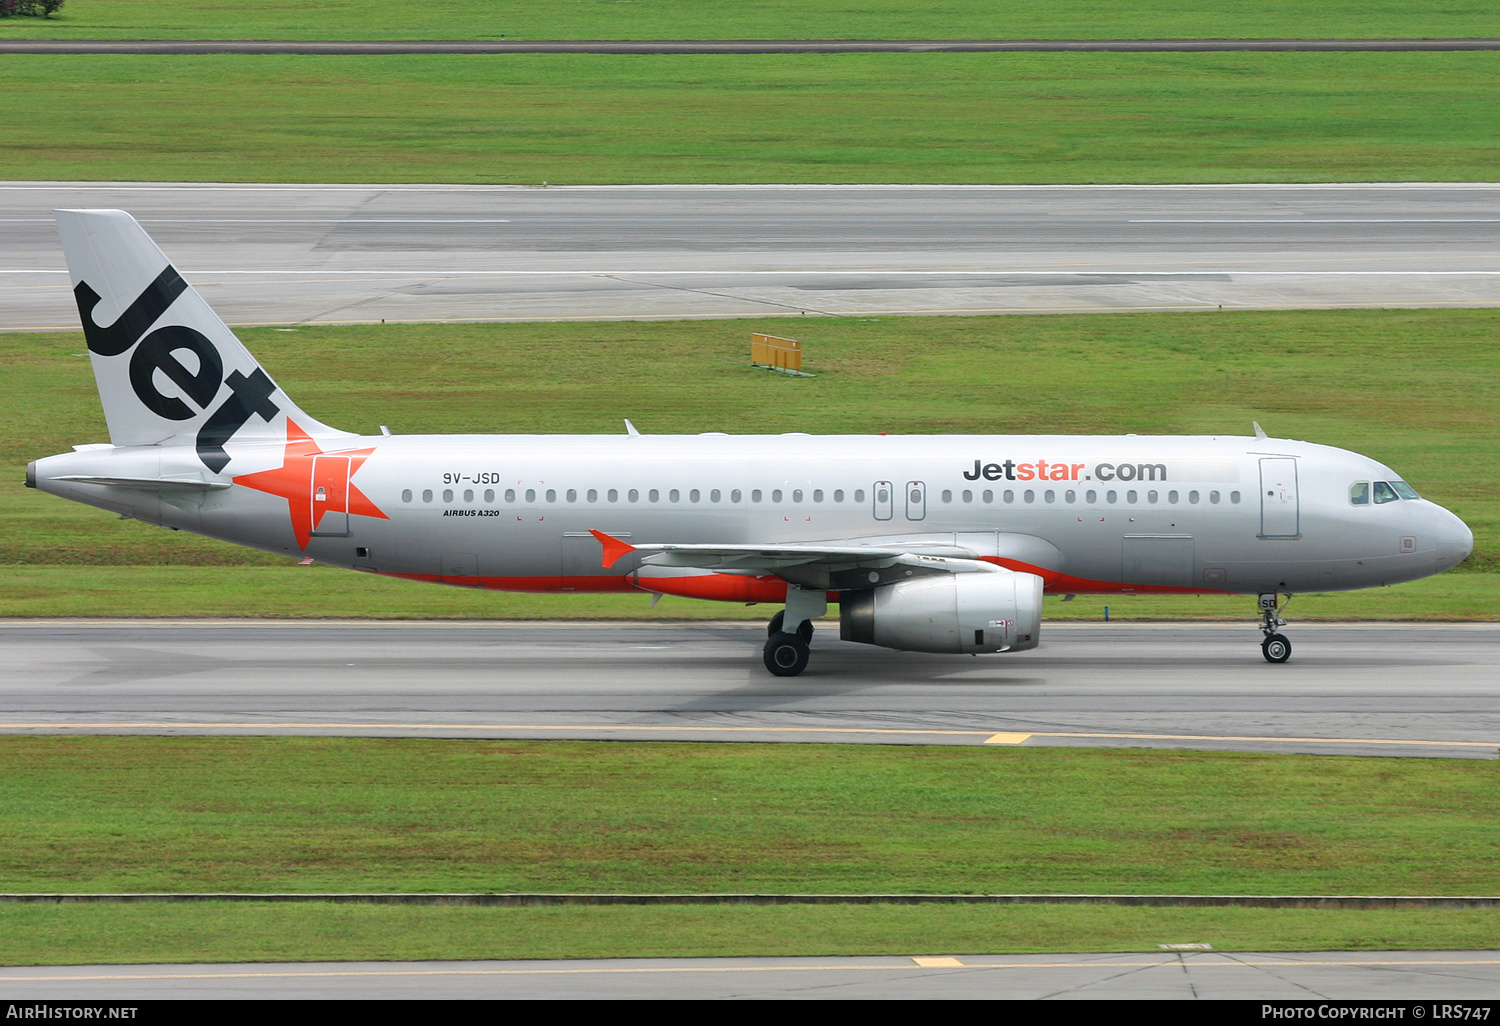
(169,370)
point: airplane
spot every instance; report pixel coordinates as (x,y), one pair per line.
(942,544)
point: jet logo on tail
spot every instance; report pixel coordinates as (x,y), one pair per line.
(250,394)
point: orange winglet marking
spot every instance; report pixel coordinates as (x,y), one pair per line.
(614,549)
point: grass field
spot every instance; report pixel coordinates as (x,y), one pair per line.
(890,118)
(317,815)
(322,814)
(235,932)
(757,19)
(1329,377)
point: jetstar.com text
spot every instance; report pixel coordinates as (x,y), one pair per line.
(1042,470)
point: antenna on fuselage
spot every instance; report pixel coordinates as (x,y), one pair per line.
(630,429)
(1260,432)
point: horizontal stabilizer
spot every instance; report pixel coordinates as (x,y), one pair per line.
(149,484)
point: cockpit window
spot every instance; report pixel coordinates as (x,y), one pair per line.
(1384,492)
(1405,490)
(1359,493)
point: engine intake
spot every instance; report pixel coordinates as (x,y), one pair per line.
(998,612)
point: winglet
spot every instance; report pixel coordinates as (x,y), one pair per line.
(614,549)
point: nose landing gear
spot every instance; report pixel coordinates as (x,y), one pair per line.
(1275,646)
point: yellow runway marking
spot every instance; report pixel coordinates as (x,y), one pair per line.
(1166,962)
(990,736)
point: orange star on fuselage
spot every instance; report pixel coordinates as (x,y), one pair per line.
(293,481)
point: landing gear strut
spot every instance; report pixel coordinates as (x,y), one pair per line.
(804,630)
(1275,647)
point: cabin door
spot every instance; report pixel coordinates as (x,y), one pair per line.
(1279,516)
(330,496)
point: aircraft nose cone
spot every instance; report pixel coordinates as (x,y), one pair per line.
(1457,541)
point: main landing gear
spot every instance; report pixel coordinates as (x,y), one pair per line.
(786,654)
(1275,647)
(786,651)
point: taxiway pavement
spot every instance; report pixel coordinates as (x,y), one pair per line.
(1308,979)
(292,254)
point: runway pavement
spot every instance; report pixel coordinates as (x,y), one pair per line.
(1374,689)
(290,254)
(1307,979)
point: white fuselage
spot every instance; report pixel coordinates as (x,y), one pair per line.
(1086,513)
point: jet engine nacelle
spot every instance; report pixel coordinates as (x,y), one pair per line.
(994,612)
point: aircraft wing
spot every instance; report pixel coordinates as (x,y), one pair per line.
(831,567)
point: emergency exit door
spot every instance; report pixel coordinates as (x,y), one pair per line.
(916,500)
(330,496)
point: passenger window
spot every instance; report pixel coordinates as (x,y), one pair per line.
(468,495)
(734,496)
(1071,497)
(1130,496)
(968,495)
(776,495)
(1213,497)
(988,496)
(1110,496)
(947,495)
(1009,496)
(593,495)
(1384,493)
(510,495)
(551,494)
(1050,497)
(427,495)
(694,495)
(1172,498)
(1193,498)
(654,495)
(489,496)
(572,494)
(614,495)
(634,495)
(1151,496)
(406,495)
(755,495)
(797,495)
(674,495)
(859,495)
(1234,497)
(817,495)
(838,495)
(531,495)
(447,494)
(1091,497)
